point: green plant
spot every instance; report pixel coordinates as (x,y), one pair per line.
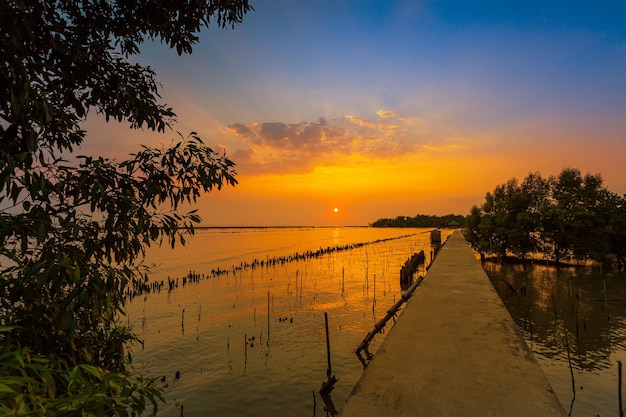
(73,233)
(564,217)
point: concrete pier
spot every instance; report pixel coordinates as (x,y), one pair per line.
(454,351)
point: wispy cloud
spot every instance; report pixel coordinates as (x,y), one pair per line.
(280,148)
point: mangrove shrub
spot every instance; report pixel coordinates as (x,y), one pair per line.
(567,217)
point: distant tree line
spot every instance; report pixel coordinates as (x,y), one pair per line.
(421,220)
(564,218)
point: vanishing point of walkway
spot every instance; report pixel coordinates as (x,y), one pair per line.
(454,351)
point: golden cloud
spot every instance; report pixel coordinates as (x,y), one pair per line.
(385,114)
(281,148)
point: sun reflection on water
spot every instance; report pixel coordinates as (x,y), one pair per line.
(252,342)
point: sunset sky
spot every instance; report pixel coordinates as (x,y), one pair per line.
(388,108)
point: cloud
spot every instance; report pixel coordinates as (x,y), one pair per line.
(280,148)
(292,136)
(385,114)
(240,130)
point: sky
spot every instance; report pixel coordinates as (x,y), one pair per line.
(392,108)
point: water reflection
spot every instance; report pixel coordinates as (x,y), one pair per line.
(574,321)
(252,341)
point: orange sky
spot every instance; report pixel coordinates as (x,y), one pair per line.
(395,110)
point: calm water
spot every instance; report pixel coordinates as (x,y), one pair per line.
(565,309)
(252,342)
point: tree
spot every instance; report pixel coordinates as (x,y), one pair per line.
(508,218)
(534,193)
(73,234)
(577,217)
(566,217)
(616,230)
(472,231)
(420,220)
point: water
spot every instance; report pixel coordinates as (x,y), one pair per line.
(561,310)
(251,342)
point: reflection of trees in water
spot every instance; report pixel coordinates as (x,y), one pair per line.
(549,303)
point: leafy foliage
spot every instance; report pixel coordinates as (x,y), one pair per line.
(73,233)
(566,217)
(47,385)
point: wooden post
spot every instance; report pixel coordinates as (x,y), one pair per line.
(619,388)
(606,304)
(390,313)
(329,370)
(327,386)
(268,318)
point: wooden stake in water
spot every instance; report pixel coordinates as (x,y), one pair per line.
(577,329)
(619,388)
(327,386)
(374,288)
(182,322)
(268,318)
(606,302)
(329,370)
(342,280)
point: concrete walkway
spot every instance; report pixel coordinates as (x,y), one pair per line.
(454,351)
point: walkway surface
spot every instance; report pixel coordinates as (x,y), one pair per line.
(454,351)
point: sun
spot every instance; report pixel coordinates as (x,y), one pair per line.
(336,210)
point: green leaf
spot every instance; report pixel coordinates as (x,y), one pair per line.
(76,273)
(81,227)
(92,370)
(74,376)
(6,388)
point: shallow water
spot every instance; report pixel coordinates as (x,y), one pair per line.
(251,342)
(561,310)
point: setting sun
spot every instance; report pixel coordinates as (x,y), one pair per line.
(407,135)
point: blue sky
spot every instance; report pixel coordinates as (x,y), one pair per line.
(461,95)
